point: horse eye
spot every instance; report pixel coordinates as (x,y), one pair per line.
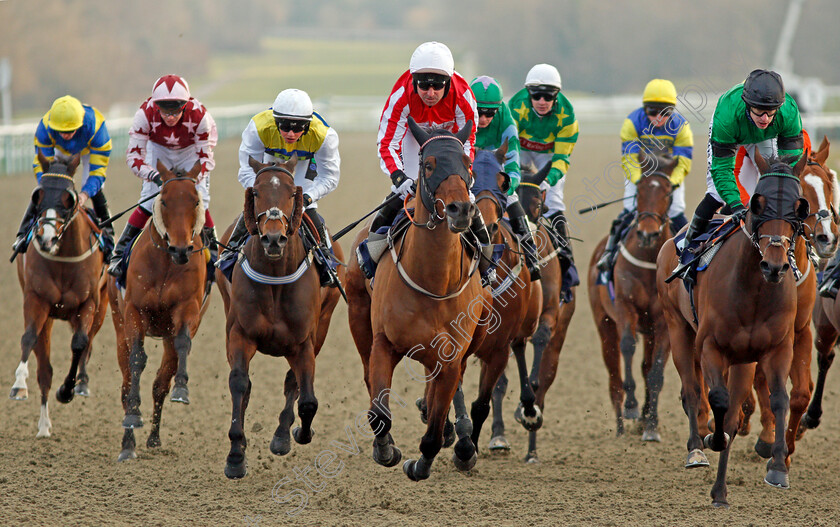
(196,203)
(163,202)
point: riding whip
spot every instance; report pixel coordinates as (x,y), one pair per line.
(350,227)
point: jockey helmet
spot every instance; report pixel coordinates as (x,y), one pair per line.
(432,57)
(292,104)
(544,75)
(764,90)
(171,88)
(488,93)
(66,114)
(659,92)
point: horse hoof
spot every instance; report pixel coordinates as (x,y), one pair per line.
(807,422)
(236,470)
(82,390)
(763,448)
(651,435)
(632,413)
(153,441)
(280,446)
(419,404)
(396,457)
(708,442)
(462,465)
(180,394)
(696,458)
(531,458)
(529,423)
(133,421)
(449,435)
(408,469)
(19,394)
(300,437)
(499,445)
(64,395)
(126,455)
(720,504)
(777,478)
(43,433)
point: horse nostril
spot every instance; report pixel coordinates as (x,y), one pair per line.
(784,269)
(452,209)
(765,267)
(822,239)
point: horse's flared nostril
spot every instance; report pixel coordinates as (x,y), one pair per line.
(821,239)
(452,209)
(765,267)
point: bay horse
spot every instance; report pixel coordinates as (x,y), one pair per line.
(164,297)
(516,299)
(61,275)
(274,304)
(746,303)
(426,304)
(635,308)
(552,326)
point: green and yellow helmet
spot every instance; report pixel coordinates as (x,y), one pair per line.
(66,114)
(488,93)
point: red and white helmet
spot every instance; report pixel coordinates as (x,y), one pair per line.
(171,88)
(432,57)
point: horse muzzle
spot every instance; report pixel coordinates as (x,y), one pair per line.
(647,239)
(773,273)
(825,245)
(273,244)
(180,255)
(459,215)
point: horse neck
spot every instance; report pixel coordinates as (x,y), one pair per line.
(426,256)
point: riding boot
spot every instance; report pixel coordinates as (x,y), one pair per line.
(605,263)
(100,207)
(237,238)
(486,264)
(698,226)
(328,278)
(211,241)
(830,283)
(370,250)
(560,228)
(129,233)
(21,240)
(519,225)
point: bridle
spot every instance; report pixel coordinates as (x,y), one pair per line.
(661,218)
(165,235)
(274,213)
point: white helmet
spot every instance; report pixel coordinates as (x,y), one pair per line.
(171,88)
(432,57)
(293,104)
(543,75)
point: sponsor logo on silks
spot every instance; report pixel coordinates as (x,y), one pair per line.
(535,146)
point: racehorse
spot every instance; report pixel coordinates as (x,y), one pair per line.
(636,307)
(746,304)
(553,321)
(515,298)
(164,297)
(273,305)
(61,278)
(426,304)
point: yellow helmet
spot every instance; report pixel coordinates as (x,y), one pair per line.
(660,91)
(66,114)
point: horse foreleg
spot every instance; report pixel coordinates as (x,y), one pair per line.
(464,457)
(628,349)
(682,353)
(160,387)
(714,365)
(45,372)
(540,340)
(182,344)
(764,442)
(776,373)
(498,443)
(35,316)
(134,333)
(281,443)
(490,373)
(82,324)
(442,393)
(82,379)
(612,360)
(800,393)
(240,351)
(654,379)
(527,414)
(303,363)
(825,341)
(747,409)
(383,360)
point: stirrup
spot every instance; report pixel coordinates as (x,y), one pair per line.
(604,263)
(828,289)
(114,266)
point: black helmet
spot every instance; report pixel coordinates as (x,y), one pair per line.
(764,89)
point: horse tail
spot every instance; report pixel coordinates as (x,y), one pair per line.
(248,214)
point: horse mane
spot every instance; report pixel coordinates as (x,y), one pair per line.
(248,213)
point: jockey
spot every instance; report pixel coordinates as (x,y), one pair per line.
(495,128)
(657,129)
(548,132)
(434,95)
(172,127)
(67,129)
(749,113)
(291,127)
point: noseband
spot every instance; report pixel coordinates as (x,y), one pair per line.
(274,213)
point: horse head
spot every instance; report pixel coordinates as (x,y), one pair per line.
(820,188)
(777,210)
(531,196)
(653,197)
(178,214)
(55,199)
(445,178)
(490,186)
(273,192)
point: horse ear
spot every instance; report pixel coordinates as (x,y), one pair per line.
(757,203)
(761,163)
(291,163)
(800,165)
(540,176)
(43,161)
(255,164)
(464,133)
(501,152)
(196,168)
(74,164)
(821,155)
(418,133)
(165,173)
(642,157)
(37,195)
(249,217)
(803,209)
(503,180)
